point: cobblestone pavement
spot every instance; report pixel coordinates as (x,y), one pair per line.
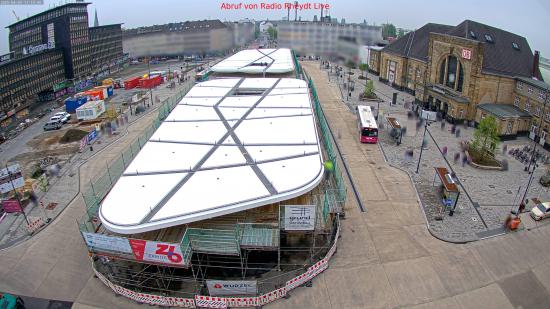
(65,186)
(495,192)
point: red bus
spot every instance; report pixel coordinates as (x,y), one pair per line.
(368,130)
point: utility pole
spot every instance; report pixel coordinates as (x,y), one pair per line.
(533,157)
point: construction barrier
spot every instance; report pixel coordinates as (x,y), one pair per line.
(34,224)
(225,302)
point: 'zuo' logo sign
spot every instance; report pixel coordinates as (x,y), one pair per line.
(168,251)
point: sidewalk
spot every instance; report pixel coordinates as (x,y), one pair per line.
(65,187)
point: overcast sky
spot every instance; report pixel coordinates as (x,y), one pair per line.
(529,18)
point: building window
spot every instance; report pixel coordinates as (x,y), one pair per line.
(451,73)
(515,46)
(473,35)
(489,38)
(537,111)
(547,116)
(541,95)
(527,106)
(517,101)
(529,90)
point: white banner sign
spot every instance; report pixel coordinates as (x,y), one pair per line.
(226,287)
(108,243)
(159,252)
(299,217)
(10,178)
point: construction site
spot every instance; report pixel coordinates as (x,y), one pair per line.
(231,199)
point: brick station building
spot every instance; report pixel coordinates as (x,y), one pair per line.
(453,69)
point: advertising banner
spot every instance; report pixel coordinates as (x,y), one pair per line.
(92,136)
(299,217)
(11,206)
(158,252)
(102,242)
(229,287)
(11,178)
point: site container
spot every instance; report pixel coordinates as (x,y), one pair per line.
(150,82)
(132,82)
(72,103)
(90,110)
(96,94)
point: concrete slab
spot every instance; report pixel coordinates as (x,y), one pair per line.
(360,287)
(63,283)
(366,182)
(382,217)
(408,212)
(95,293)
(29,274)
(396,245)
(501,258)
(315,296)
(415,281)
(543,274)
(489,297)
(460,271)
(433,245)
(525,291)
(447,303)
(355,247)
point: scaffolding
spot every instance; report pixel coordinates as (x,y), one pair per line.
(250,245)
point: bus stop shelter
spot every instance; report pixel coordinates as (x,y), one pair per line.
(449,195)
(395,129)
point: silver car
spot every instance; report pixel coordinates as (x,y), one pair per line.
(541,211)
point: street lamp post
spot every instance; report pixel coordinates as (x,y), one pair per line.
(149,77)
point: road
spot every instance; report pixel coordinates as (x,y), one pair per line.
(386,258)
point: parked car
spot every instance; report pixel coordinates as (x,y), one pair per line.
(64,116)
(55,124)
(541,211)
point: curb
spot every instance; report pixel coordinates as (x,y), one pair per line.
(430,230)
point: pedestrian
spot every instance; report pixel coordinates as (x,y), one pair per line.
(457,156)
(505,149)
(444,151)
(464,159)
(457,133)
(453,129)
(442,125)
(408,155)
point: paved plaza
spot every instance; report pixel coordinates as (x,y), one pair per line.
(494,193)
(386,257)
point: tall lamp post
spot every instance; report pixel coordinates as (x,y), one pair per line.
(532,160)
(149,77)
(422,145)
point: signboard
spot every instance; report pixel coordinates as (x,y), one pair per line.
(466,53)
(299,217)
(11,206)
(107,243)
(17,180)
(38,48)
(92,136)
(428,115)
(227,287)
(158,252)
(6,57)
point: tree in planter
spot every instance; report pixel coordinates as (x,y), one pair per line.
(485,139)
(369,90)
(363,67)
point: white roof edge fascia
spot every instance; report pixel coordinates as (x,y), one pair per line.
(220,211)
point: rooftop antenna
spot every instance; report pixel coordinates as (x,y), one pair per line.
(295,10)
(322,7)
(16,17)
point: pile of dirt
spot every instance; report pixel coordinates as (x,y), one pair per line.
(72,135)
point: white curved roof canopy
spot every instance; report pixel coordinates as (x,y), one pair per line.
(255,61)
(229,145)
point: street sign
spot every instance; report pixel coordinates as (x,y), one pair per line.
(11,178)
(299,217)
